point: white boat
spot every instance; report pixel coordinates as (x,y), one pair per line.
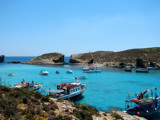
(44,72)
(32,86)
(67,90)
(10,74)
(91,70)
(69,71)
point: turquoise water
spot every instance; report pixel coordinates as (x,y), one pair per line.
(104,90)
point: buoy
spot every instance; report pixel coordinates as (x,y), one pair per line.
(138,113)
(81,93)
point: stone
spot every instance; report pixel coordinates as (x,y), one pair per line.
(2,58)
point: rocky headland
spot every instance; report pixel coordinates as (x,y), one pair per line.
(47,59)
(122,58)
(2,58)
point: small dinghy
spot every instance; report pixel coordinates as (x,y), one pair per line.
(141,70)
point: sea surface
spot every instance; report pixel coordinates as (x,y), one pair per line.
(105,90)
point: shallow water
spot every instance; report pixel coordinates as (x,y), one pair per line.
(104,90)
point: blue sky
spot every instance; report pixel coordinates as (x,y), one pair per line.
(34,27)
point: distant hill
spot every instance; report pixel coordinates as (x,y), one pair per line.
(127,56)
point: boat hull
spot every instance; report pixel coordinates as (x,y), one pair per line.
(71,95)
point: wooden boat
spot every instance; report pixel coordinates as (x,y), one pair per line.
(128,69)
(67,90)
(145,104)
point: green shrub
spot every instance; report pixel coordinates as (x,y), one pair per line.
(45,99)
(117,116)
(60,117)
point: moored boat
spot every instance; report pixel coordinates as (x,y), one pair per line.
(44,72)
(145,104)
(67,90)
(151,68)
(10,74)
(91,70)
(128,69)
(142,70)
(69,71)
(81,78)
(31,86)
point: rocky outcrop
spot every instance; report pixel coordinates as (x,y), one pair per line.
(110,58)
(48,59)
(14,62)
(2,58)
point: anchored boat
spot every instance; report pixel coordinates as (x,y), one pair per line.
(142,70)
(44,72)
(145,104)
(91,70)
(81,78)
(69,71)
(67,90)
(10,74)
(32,86)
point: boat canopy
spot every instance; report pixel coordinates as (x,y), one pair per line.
(55,91)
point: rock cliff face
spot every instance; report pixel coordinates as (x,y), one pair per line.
(127,56)
(1,58)
(48,59)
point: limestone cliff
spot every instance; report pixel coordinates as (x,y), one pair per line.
(127,56)
(48,59)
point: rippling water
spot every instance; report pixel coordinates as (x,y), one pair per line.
(104,90)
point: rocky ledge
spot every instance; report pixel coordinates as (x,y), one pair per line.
(47,59)
(2,58)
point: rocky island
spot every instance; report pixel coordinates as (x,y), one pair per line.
(2,58)
(47,59)
(110,58)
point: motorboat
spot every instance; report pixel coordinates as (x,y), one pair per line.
(142,70)
(32,86)
(44,72)
(81,78)
(67,90)
(10,74)
(151,68)
(69,71)
(91,70)
(143,103)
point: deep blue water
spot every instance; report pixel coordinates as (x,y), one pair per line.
(104,90)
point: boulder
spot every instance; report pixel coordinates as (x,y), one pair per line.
(2,58)
(48,59)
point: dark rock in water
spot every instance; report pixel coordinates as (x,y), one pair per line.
(2,58)
(140,63)
(47,59)
(15,62)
